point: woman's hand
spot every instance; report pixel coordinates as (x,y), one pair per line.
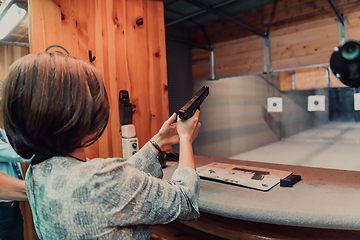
(189,129)
(167,134)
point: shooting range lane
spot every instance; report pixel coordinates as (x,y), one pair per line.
(324,198)
(333,145)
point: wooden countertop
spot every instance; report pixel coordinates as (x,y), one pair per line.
(324,198)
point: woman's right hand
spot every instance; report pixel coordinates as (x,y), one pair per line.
(189,129)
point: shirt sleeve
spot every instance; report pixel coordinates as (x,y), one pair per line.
(146,160)
(138,198)
(7,153)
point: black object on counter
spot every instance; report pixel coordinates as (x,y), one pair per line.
(290,180)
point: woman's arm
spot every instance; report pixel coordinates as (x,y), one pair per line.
(188,131)
(12,188)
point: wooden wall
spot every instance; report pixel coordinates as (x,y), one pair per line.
(8,54)
(305,44)
(128,40)
(302,33)
(308,78)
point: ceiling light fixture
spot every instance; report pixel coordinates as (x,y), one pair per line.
(11,18)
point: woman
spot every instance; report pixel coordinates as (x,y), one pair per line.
(54,105)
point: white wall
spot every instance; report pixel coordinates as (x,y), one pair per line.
(235,120)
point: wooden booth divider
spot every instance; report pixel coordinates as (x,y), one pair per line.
(127,39)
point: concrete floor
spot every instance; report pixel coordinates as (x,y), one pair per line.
(335,145)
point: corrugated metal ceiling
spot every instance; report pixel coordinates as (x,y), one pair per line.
(189,13)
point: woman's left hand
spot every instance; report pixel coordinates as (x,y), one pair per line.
(167,134)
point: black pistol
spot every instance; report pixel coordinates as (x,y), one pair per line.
(188,110)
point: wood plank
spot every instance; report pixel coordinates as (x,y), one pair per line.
(353,23)
(240,64)
(201,70)
(305,26)
(304,44)
(96,43)
(45,25)
(69,25)
(137,58)
(114,137)
(286,81)
(305,32)
(306,60)
(234,57)
(311,78)
(122,76)
(199,55)
(8,55)
(157,64)
(105,41)
(3,64)
(120,28)
(239,46)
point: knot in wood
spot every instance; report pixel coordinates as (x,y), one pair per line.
(140,22)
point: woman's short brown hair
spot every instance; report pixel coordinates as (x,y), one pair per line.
(52,103)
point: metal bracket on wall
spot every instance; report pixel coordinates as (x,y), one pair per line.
(337,12)
(342,30)
(328,77)
(14,43)
(212,64)
(267,54)
(293,76)
(301,67)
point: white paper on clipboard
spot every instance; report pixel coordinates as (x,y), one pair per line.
(251,177)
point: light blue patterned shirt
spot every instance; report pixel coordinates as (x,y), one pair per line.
(108,198)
